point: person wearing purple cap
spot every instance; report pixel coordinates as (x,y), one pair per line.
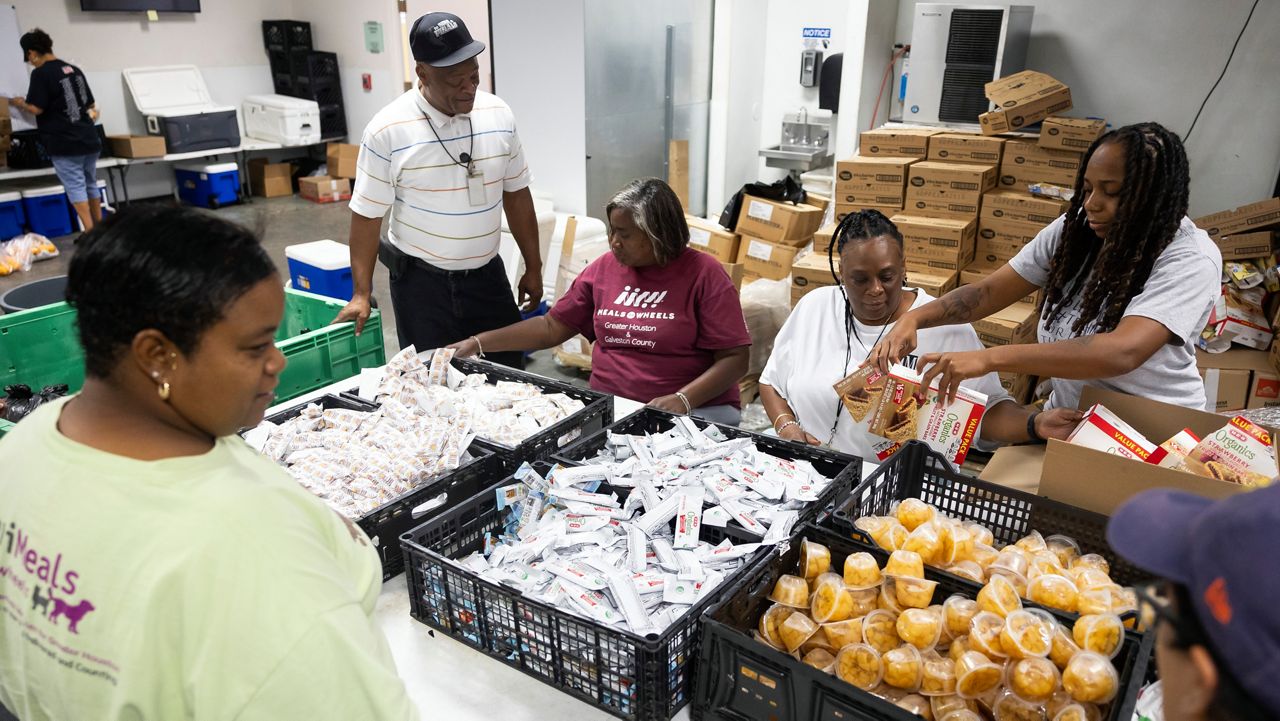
(1218,640)
(441,164)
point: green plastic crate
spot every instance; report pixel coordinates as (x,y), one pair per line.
(40,346)
(5,427)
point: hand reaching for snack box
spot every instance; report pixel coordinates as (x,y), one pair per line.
(1058,423)
(951,369)
(898,344)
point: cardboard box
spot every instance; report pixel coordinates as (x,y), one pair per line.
(869,194)
(735,272)
(966,148)
(887,210)
(822,238)
(1021,207)
(931,258)
(1102,430)
(341,159)
(323,189)
(885,169)
(1018,386)
(817,200)
(137,146)
(900,142)
(941,203)
(1025,161)
(1246,246)
(270,180)
(998,250)
(1000,240)
(711,238)
(981,268)
(1240,452)
(1070,474)
(1247,324)
(1231,378)
(1011,326)
(1225,390)
(678,169)
(1022,99)
(764,259)
(775,221)
(935,282)
(941,232)
(1071,133)
(1264,390)
(1254,216)
(958,177)
(810,273)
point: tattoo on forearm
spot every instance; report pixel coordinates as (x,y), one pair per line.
(958,305)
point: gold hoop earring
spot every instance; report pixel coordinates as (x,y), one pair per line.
(164,391)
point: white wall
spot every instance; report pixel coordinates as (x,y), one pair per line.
(737,98)
(870,25)
(544,82)
(1131,62)
(475,13)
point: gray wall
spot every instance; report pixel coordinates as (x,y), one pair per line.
(1138,60)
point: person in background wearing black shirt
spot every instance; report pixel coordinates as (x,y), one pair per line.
(60,98)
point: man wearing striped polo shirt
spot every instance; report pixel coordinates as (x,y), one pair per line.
(440,163)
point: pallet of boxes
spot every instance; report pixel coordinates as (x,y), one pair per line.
(1238,356)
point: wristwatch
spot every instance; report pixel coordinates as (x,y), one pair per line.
(1031,428)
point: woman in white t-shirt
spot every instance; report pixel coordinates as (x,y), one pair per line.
(832,330)
(1129,283)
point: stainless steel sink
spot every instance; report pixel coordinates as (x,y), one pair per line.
(799,159)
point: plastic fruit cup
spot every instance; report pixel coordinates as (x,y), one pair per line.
(815,559)
(861,571)
(957,612)
(1011,561)
(957,545)
(843,633)
(1064,647)
(888,598)
(1100,633)
(905,563)
(860,665)
(1033,679)
(914,592)
(791,591)
(920,627)
(1032,542)
(1054,591)
(969,570)
(984,555)
(981,534)
(1090,678)
(1071,712)
(976,675)
(771,620)
(1027,635)
(999,596)
(913,512)
(916,704)
(926,541)
(797,629)
(945,705)
(818,640)
(831,602)
(864,601)
(961,715)
(1064,547)
(959,647)
(1008,707)
(875,526)
(1045,562)
(903,667)
(984,634)
(1094,601)
(821,659)
(880,631)
(938,675)
(1094,561)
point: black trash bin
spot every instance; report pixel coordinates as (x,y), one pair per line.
(35,294)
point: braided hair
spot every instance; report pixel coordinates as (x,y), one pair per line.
(1108,273)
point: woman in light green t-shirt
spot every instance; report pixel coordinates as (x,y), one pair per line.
(154,566)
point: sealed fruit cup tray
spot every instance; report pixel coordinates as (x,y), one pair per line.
(634,677)
(845,470)
(597,414)
(385,523)
(741,678)
(916,471)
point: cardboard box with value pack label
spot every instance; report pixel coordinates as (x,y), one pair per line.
(941,203)
(1022,207)
(1247,218)
(957,177)
(809,273)
(1010,326)
(341,159)
(1078,134)
(900,142)
(776,221)
(270,180)
(1023,99)
(966,148)
(1246,246)
(935,282)
(711,238)
(981,268)
(1026,162)
(1100,481)
(137,146)
(882,170)
(761,258)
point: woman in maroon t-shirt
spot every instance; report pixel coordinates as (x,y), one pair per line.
(665,319)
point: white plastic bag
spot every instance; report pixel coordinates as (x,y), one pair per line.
(766,304)
(18,254)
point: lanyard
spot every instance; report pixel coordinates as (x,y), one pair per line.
(465,159)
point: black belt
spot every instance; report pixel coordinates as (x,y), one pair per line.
(398,261)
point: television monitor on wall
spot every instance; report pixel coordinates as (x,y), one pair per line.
(164,6)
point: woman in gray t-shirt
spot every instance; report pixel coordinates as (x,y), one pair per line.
(1129,283)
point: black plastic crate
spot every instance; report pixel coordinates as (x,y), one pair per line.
(639,678)
(27,151)
(597,414)
(845,471)
(333,121)
(916,471)
(286,35)
(385,523)
(741,678)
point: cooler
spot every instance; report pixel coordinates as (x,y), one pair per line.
(177,105)
(210,186)
(282,119)
(322,267)
(12,219)
(48,212)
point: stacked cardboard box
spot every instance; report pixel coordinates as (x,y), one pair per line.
(810,273)
(1009,220)
(712,238)
(1238,379)
(1023,99)
(871,182)
(1026,162)
(1070,133)
(772,234)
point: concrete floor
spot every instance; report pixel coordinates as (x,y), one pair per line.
(281,222)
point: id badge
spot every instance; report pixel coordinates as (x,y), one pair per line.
(475,187)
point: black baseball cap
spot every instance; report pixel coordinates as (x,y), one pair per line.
(441,40)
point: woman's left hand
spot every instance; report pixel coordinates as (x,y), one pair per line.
(671,404)
(1058,423)
(951,369)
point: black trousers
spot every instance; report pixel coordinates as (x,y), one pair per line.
(436,307)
